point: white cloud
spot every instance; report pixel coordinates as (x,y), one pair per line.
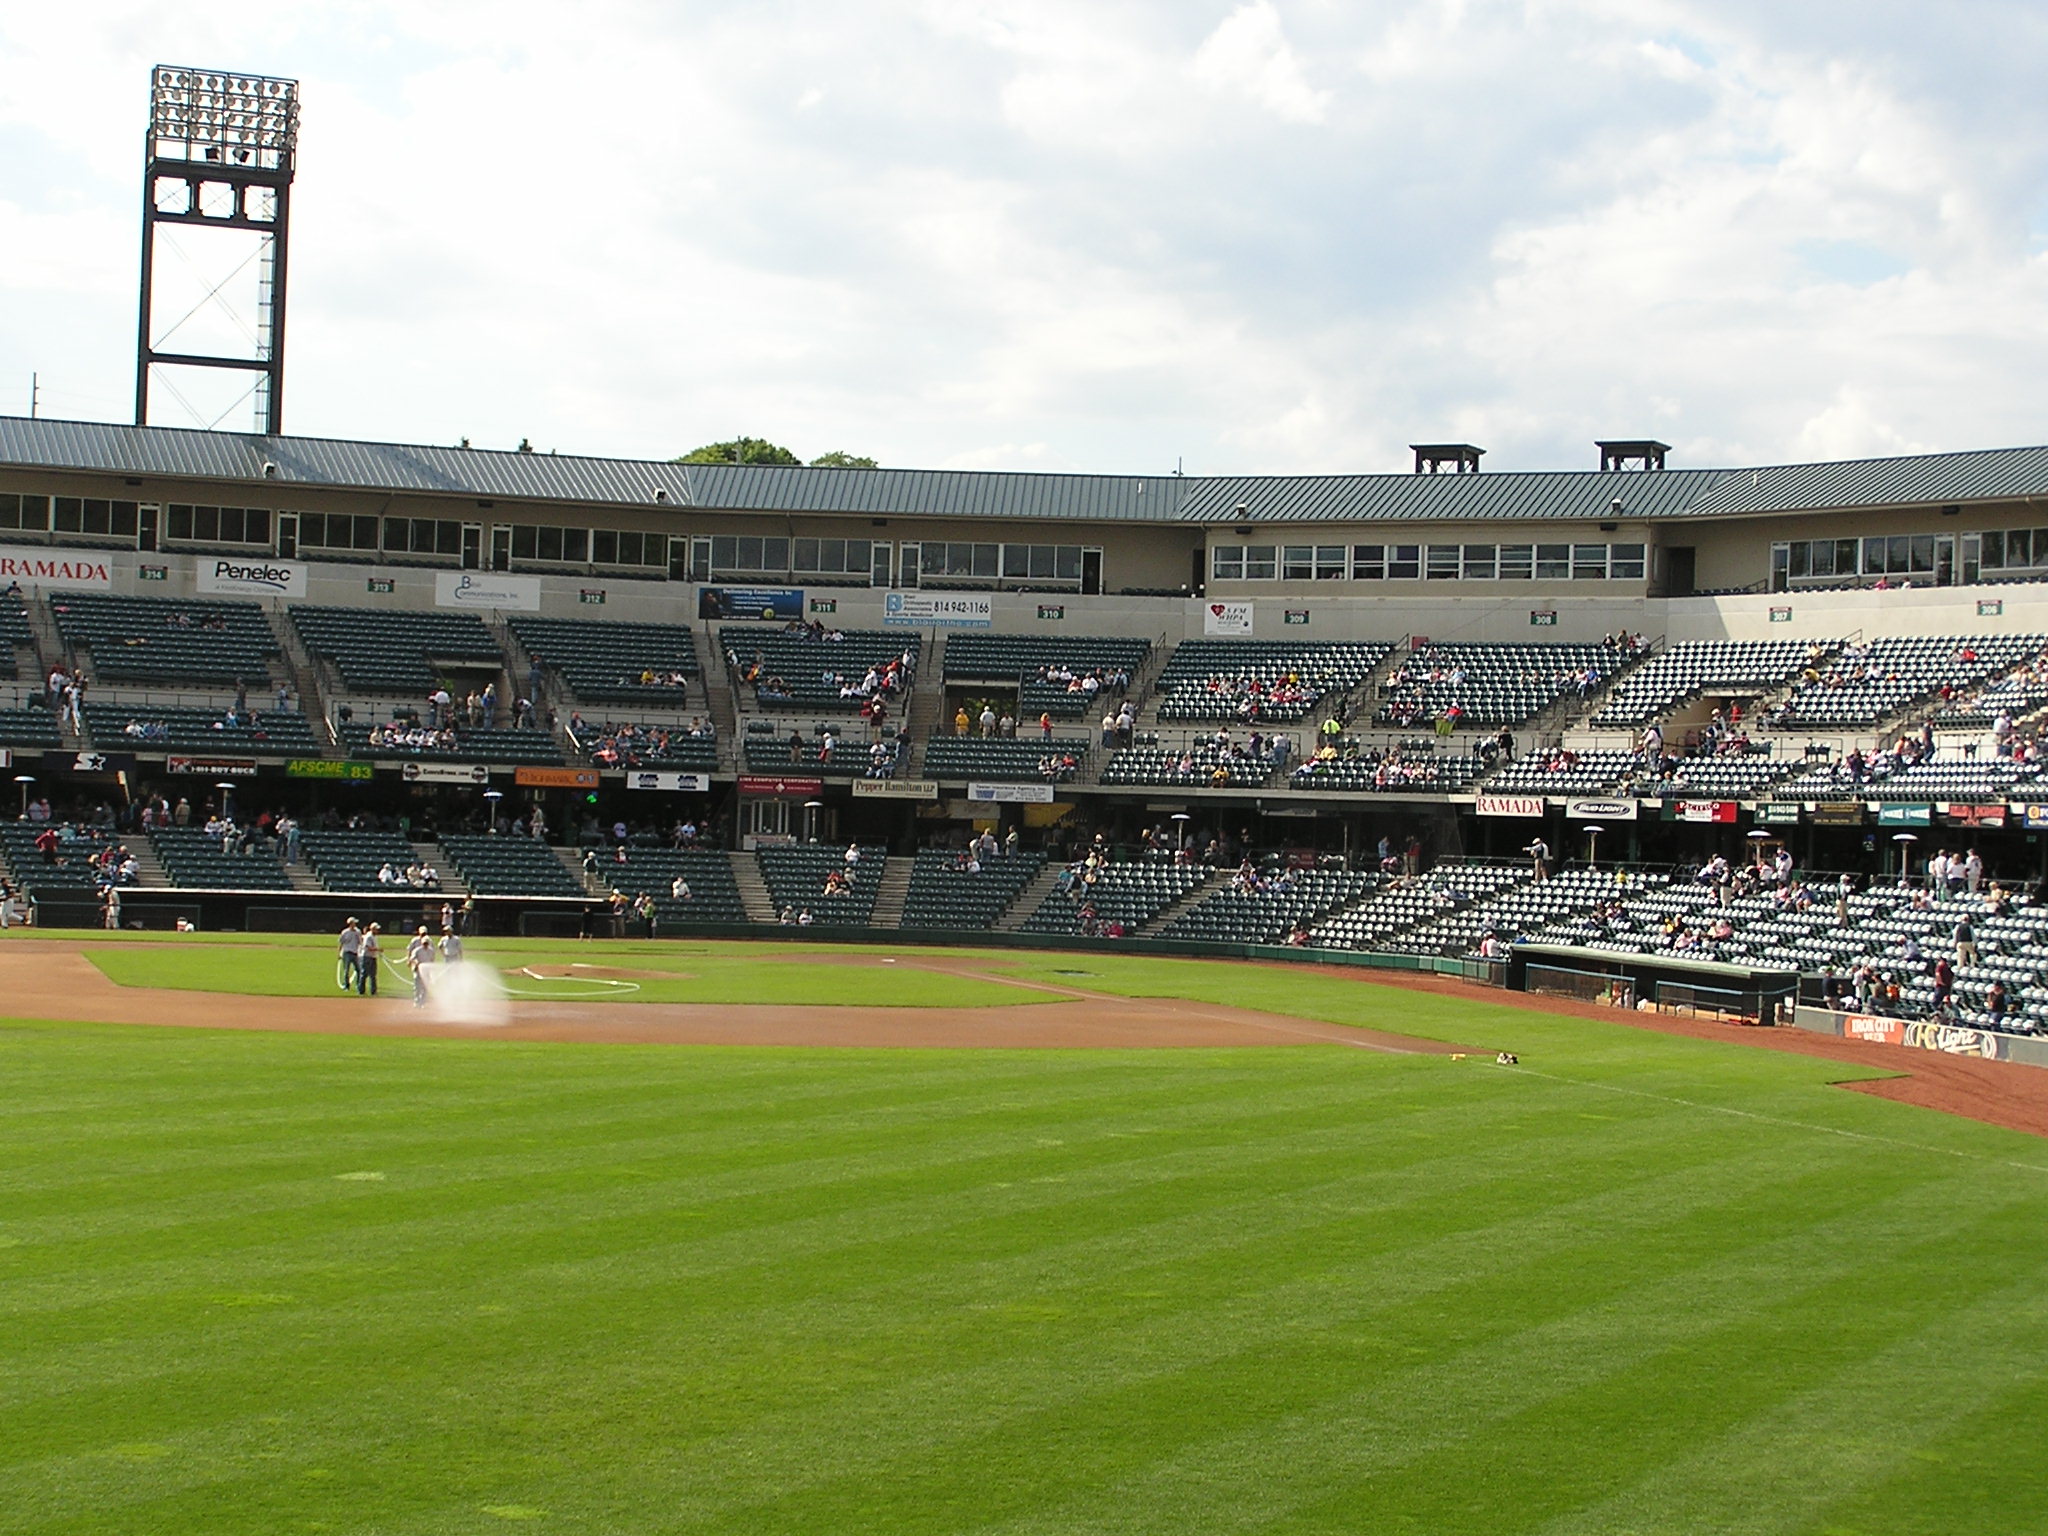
(1275,235)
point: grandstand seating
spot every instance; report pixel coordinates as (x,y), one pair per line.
(1542,773)
(1130,894)
(345,859)
(714,894)
(814,671)
(1494,685)
(998,758)
(196,861)
(1395,772)
(15,633)
(1693,667)
(1721,776)
(1269,915)
(506,744)
(35,729)
(1197,766)
(1514,910)
(1022,658)
(164,640)
(1869,683)
(1946,776)
(944,895)
(160,729)
(795,878)
(626,745)
(606,662)
(849,758)
(1403,905)
(508,866)
(394,651)
(1224,679)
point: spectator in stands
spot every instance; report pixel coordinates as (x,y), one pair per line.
(1966,942)
(961,723)
(679,889)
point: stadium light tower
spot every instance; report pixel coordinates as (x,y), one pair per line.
(220,155)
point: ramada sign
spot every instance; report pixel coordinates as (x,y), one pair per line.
(41,566)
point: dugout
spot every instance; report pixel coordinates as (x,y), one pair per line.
(1668,983)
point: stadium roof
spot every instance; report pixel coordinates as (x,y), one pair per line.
(240,458)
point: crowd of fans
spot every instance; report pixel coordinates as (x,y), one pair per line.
(623,744)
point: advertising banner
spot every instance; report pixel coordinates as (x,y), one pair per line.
(93,762)
(1862,1026)
(212,767)
(1777,813)
(1974,816)
(895,789)
(416,772)
(2033,814)
(1953,1039)
(486,589)
(769,784)
(1010,794)
(1510,805)
(1836,813)
(231,576)
(56,568)
(777,603)
(1700,810)
(940,610)
(556,778)
(324,768)
(1601,810)
(1905,815)
(657,778)
(1227,619)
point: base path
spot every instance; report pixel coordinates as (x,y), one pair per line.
(49,979)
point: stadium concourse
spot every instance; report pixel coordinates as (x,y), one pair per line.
(1681,728)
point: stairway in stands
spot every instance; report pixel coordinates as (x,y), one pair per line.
(1212,882)
(1028,899)
(927,702)
(891,891)
(746,874)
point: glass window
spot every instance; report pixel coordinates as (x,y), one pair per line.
(1589,562)
(985,561)
(1479,562)
(1553,562)
(1067,562)
(1517,562)
(178,522)
(523,537)
(1991,554)
(1260,562)
(1329,562)
(2018,549)
(1226,562)
(1443,562)
(1781,562)
(1922,554)
(1625,562)
(724,552)
(576,545)
(1404,562)
(24,512)
(1368,562)
(1873,557)
(1297,562)
(604,547)
(547,544)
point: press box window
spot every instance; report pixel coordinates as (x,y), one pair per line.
(336,530)
(1368,562)
(112,519)
(1260,563)
(1226,562)
(422,536)
(217,525)
(25,512)
(1479,562)
(1517,562)
(1443,562)
(1625,562)
(1553,562)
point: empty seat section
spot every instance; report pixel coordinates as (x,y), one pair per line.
(1270,907)
(1123,894)
(394,651)
(1059,675)
(144,728)
(797,880)
(615,663)
(198,861)
(164,640)
(1869,682)
(509,866)
(1003,759)
(1493,685)
(945,894)
(1693,667)
(345,859)
(713,895)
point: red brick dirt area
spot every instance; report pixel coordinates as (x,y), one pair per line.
(51,979)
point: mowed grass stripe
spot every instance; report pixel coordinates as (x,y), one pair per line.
(659,1289)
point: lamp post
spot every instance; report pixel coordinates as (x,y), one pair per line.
(1592,829)
(1905,842)
(491,810)
(1180,831)
(24,780)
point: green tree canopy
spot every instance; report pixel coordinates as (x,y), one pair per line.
(839,458)
(741,450)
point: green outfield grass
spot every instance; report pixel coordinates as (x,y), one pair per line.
(281,1283)
(725,973)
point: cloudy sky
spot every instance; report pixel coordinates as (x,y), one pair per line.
(1276,236)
